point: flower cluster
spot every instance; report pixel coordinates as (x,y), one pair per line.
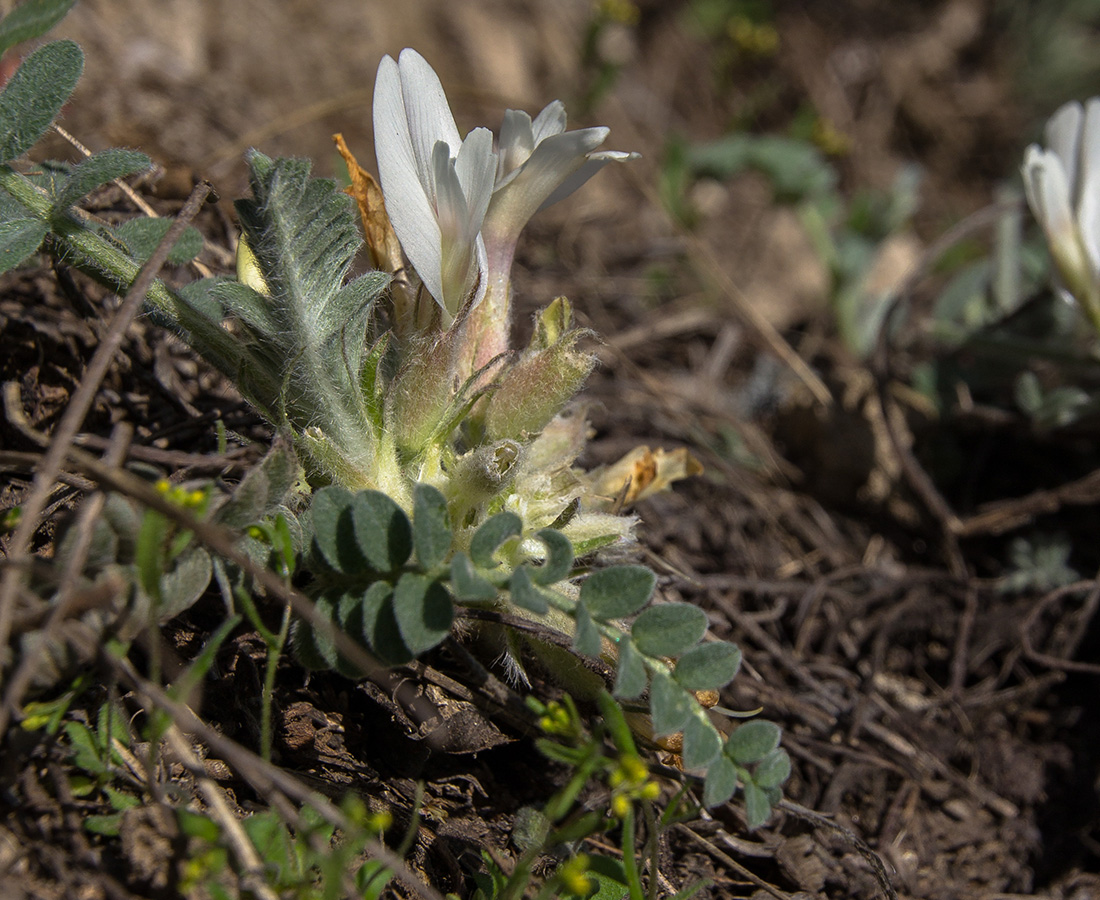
(629,781)
(459,204)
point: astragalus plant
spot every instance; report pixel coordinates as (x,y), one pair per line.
(439,460)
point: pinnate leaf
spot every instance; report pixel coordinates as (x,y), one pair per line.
(708,667)
(431,526)
(758,808)
(752,741)
(773,769)
(669,704)
(630,679)
(669,629)
(369,615)
(702,743)
(424,611)
(98,169)
(333,531)
(720,783)
(618,591)
(261,491)
(142,236)
(488,538)
(467,584)
(587,639)
(525,595)
(19,239)
(314,647)
(559,558)
(382,531)
(183,584)
(31,19)
(35,95)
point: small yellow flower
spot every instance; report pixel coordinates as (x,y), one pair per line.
(831,141)
(634,769)
(620,806)
(756,40)
(574,875)
(622,11)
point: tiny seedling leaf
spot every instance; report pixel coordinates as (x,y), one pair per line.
(431,526)
(107,825)
(97,170)
(669,629)
(587,639)
(618,591)
(720,783)
(468,586)
(142,237)
(773,769)
(382,531)
(424,611)
(630,679)
(757,807)
(702,743)
(752,741)
(19,239)
(525,595)
(86,752)
(31,19)
(559,558)
(708,667)
(35,95)
(488,538)
(669,704)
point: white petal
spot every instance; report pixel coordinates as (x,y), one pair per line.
(551,164)
(410,210)
(1088,201)
(1052,193)
(456,242)
(450,199)
(1034,160)
(550,121)
(426,108)
(1063,133)
(591,166)
(1088,166)
(476,167)
(517,140)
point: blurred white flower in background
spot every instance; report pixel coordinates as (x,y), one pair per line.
(1063,189)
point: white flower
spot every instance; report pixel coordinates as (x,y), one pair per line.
(538,164)
(437,186)
(1063,190)
(458,206)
